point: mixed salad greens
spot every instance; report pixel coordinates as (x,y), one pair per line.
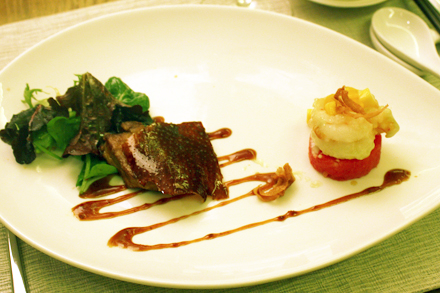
(75,123)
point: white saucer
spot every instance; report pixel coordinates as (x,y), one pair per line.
(348,3)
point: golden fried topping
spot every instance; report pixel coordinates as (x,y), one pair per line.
(281,180)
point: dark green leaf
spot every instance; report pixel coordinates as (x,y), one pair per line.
(126,95)
(41,148)
(22,147)
(122,114)
(18,121)
(43,138)
(94,104)
(42,115)
(19,131)
(63,130)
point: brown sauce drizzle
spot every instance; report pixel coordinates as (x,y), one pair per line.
(221,133)
(158,119)
(124,237)
(246,154)
(264,177)
(392,177)
(89,210)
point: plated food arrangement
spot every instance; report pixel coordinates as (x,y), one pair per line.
(110,129)
(251,93)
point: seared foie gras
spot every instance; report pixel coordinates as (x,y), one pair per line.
(171,158)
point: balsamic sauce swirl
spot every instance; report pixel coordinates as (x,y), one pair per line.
(124,238)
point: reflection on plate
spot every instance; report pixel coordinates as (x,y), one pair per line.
(348,3)
(256,73)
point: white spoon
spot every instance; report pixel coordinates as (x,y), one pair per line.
(380,48)
(407,36)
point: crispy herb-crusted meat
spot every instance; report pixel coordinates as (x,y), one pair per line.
(174,159)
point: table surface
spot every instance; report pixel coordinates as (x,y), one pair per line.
(16,10)
(406,262)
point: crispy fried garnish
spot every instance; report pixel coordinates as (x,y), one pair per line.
(347,106)
(282,179)
(341,96)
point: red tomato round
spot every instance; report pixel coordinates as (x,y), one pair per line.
(344,169)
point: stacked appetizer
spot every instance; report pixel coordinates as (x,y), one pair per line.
(345,141)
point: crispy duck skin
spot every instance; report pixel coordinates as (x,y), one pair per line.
(173,159)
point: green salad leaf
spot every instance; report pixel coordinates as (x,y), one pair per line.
(18,122)
(26,131)
(94,104)
(94,168)
(29,95)
(75,123)
(44,142)
(122,92)
(22,147)
(63,130)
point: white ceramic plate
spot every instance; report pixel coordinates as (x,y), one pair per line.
(348,3)
(256,73)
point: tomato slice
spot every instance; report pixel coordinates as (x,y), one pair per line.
(345,169)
